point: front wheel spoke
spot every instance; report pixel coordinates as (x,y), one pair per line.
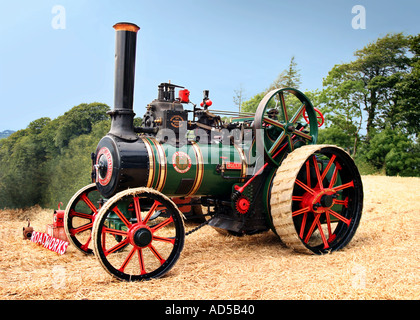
(80,229)
(157,254)
(141,261)
(151,211)
(137,208)
(115,232)
(127,259)
(122,217)
(89,203)
(81,215)
(339,217)
(116,247)
(86,245)
(162,224)
(164,239)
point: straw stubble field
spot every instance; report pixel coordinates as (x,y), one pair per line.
(381,262)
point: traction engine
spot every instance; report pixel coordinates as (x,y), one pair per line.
(257,172)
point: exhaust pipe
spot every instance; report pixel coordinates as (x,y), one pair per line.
(125,58)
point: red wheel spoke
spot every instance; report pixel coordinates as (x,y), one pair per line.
(80,229)
(122,217)
(324,240)
(115,232)
(311,230)
(304,186)
(334,177)
(302,226)
(308,173)
(283,107)
(116,247)
(328,225)
(344,202)
(86,245)
(127,259)
(81,215)
(137,208)
(327,168)
(298,212)
(318,174)
(89,203)
(164,239)
(344,186)
(162,224)
(157,254)
(141,261)
(151,211)
(339,217)
(297,198)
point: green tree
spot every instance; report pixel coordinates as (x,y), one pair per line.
(393,151)
(370,82)
(407,112)
(79,120)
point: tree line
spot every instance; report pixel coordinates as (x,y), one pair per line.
(371,106)
(50,160)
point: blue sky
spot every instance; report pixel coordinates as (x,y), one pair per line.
(203,44)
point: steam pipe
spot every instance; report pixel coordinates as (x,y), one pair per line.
(125,57)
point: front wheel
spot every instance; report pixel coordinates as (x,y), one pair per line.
(138,234)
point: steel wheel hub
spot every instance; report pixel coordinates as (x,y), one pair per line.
(140,235)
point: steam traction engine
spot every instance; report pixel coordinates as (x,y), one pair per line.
(258,172)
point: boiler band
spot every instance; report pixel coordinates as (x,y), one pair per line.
(173,170)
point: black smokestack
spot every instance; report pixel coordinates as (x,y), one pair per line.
(125,60)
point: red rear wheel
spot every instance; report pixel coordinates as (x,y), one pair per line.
(320,211)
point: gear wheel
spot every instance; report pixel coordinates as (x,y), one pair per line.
(242,204)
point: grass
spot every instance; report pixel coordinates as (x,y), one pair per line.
(381,262)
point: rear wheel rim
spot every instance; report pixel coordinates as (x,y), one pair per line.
(325,205)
